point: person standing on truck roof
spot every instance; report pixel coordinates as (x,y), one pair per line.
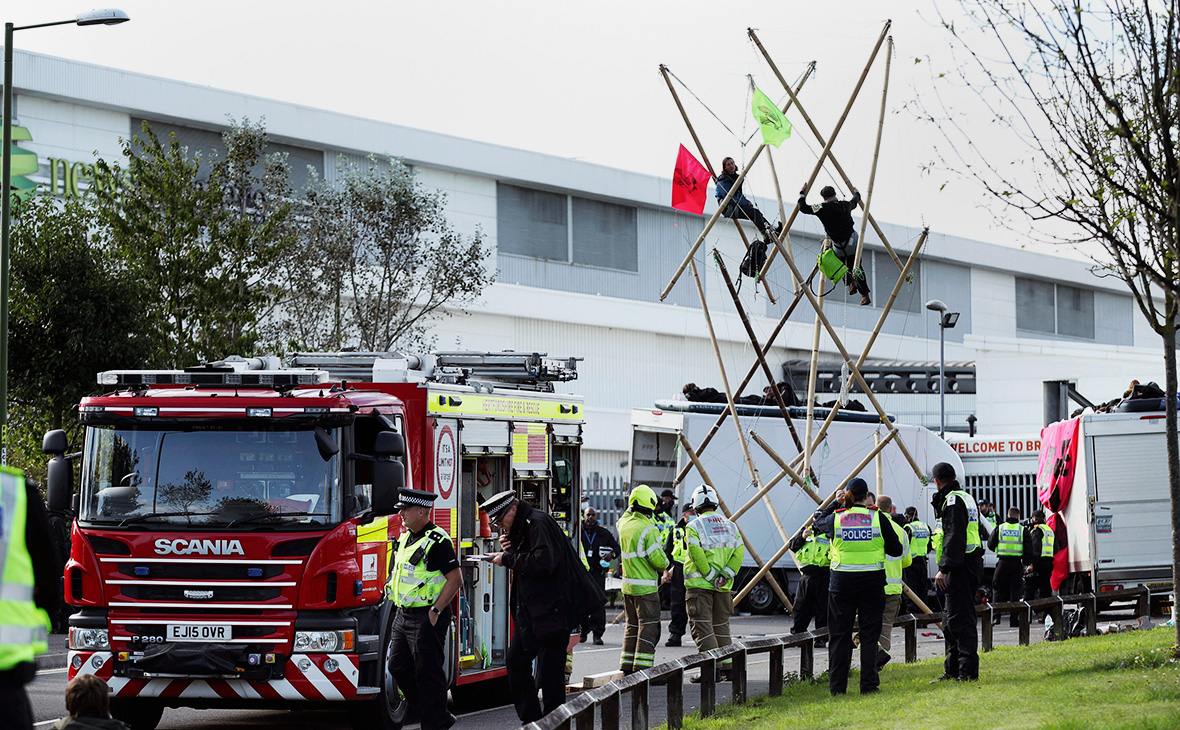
(921,544)
(549,596)
(644,562)
(836,217)
(677,551)
(860,544)
(424,581)
(813,556)
(31,592)
(599,547)
(715,553)
(1040,564)
(960,570)
(1012,545)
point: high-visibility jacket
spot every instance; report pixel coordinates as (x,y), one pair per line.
(24,628)
(715,550)
(1010,541)
(679,546)
(936,541)
(664,523)
(973,541)
(895,565)
(919,538)
(1046,540)
(411,584)
(817,551)
(857,545)
(643,556)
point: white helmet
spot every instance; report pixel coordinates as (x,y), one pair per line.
(703,495)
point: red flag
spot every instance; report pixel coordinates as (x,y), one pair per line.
(1055,476)
(690,183)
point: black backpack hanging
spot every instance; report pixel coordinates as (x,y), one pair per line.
(755,258)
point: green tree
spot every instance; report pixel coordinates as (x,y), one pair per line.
(75,311)
(1090,92)
(206,249)
(379,263)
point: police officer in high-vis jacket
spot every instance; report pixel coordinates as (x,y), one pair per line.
(860,543)
(715,552)
(424,581)
(1010,542)
(643,565)
(30,576)
(813,556)
(960,568)
(921,545)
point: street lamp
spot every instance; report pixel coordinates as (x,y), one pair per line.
(946,320)
(108,16)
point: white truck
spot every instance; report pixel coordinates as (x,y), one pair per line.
(1117,517)
(656,459)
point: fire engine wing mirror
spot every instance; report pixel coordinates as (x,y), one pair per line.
(54,443)
(389,444)
(59,478)
(326,444)
(389,474)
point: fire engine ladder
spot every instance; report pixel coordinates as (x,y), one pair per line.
(523,370)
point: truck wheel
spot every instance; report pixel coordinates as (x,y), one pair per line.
(389,709)
(139,714)
(761,599)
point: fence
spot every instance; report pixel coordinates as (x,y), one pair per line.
(601,493)
(578,713)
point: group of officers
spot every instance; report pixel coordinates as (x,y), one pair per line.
(853,558)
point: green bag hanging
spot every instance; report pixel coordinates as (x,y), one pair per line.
(832,267)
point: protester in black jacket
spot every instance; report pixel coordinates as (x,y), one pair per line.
(550,592)
(959,572)
(836,217)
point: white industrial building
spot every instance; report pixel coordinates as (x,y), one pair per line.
(583,252)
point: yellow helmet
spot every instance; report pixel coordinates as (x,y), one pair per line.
(643,496)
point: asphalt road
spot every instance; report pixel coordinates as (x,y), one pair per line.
(47,691)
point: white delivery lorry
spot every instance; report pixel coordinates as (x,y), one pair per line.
(656,459)
(1118,515)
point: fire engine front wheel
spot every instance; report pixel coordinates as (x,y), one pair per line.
(139,714)
(388,711)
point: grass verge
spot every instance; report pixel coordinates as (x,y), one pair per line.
(1128,681)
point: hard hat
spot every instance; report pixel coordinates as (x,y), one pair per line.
(703,495)
(643,496)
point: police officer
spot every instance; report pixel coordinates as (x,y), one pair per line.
(894,568)
(715,553)
(677,551)
(921,545)
(599,546)
(860,543)
(960,570)
(424,581)
(1040,570)
(30,576)
(643,565)
(1011,544)
(812,556)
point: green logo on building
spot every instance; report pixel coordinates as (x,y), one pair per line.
(24,162)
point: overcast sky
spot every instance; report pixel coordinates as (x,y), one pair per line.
(573,80)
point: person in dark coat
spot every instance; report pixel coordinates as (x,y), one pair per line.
(550,593)
(740,206)
(676,550)
(1011,556)
(600,546)
(836,217)
(960,569)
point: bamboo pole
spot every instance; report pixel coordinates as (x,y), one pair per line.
(860,244)
(782,213)
(782,463)
(815,130)
(812,372)
(770,579)
(879,464)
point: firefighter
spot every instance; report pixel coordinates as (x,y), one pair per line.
(30,576)
(860,544)
(1036,581)
(643,564)
(1010,542)
(715,553)
(921,544)
(424,581)
(813,556)
(959,571)
(677,551)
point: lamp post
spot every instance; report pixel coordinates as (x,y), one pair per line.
(93,17)
(946,320)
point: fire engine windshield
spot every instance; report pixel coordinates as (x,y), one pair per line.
(255,479)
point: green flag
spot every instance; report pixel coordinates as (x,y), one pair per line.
(775,127)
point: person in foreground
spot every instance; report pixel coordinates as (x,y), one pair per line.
(88,700)
(960,568)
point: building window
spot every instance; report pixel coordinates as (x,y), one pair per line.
(909,297)
(564,228)
(532,223)
(1054,309)
(605,235)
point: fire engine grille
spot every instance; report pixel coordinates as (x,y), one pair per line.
(200,571)
(221,594)
(240,631)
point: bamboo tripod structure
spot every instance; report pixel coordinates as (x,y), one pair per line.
(799,471)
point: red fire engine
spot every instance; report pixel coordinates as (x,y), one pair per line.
(235,526)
